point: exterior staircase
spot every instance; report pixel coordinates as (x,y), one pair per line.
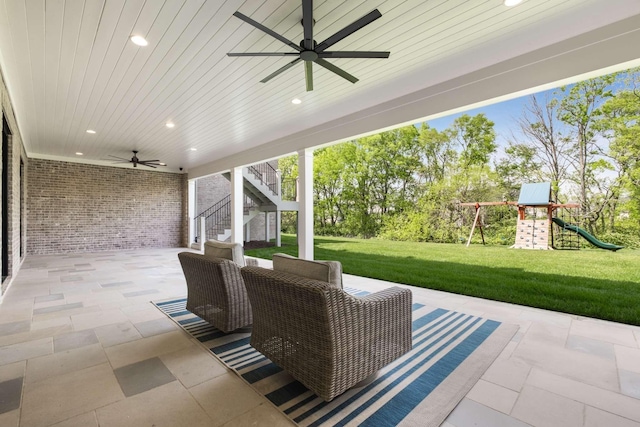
(262,193)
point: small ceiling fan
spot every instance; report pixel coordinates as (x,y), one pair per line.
(150,163)
(309,51)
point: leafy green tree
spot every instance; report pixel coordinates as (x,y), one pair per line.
(579,109)
(288,167)
(455,168)
(329,165)
(439,154)
(476,138)
(519,165)
(621,124)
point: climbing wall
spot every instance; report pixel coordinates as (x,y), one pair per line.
(532,234)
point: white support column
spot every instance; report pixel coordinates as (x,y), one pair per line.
(305,215)
(237,205)
(278,228)
(203,233)
(192,211)
(267,227)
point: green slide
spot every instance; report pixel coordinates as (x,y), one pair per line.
(589,237)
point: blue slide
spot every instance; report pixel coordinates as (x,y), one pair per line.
(589,237)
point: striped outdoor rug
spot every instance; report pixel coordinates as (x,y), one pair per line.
(451,350)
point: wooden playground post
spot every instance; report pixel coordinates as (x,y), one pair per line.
(477,206)
(475,221)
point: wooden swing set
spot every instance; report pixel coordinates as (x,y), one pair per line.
(530,233)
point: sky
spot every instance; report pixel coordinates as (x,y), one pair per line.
(503,114)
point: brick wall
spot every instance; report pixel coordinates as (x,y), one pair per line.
(256,230)
(75,207)
(210,190)
(185,211)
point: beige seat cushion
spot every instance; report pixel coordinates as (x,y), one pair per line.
(232,251)
(325,271)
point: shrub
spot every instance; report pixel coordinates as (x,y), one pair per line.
(628,240)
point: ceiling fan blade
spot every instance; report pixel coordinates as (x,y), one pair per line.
(263,54)
(148,161)
(339,71)
(349,29)
(348,54)
(280,70)
(307,24)
(119,158)
(308,75)
(272,33)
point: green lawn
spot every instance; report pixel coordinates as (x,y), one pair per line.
(591,282)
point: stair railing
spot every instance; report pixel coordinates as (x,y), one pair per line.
(218,216)
(267,175)
(213,215)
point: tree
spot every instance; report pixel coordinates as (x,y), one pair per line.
(476,139)
(621,124)
(288,167)
(328,165)
(549,147)
(579,109)
(439,154)
(519,165)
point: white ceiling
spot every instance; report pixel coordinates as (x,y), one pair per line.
(70,66)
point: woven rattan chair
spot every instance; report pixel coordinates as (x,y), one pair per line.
(215,291)
(324,337)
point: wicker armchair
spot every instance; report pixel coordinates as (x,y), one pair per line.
(215,291)
(324,337)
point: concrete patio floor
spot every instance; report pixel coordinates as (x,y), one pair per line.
(81,345)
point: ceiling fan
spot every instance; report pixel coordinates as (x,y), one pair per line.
(309,51)
(150,163)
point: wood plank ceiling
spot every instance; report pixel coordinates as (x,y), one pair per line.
(70,66)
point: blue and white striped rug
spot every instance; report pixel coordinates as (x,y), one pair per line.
(451,350)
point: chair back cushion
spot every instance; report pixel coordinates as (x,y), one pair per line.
(231,251)
(324,271)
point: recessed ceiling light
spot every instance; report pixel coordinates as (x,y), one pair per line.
(296,101)
(170,125)
(139,40)
(78,154)
(193,149)
(91,131)
(510,3)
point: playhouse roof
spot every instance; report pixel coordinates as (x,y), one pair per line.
(535,194)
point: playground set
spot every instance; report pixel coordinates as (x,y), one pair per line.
(542,224)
